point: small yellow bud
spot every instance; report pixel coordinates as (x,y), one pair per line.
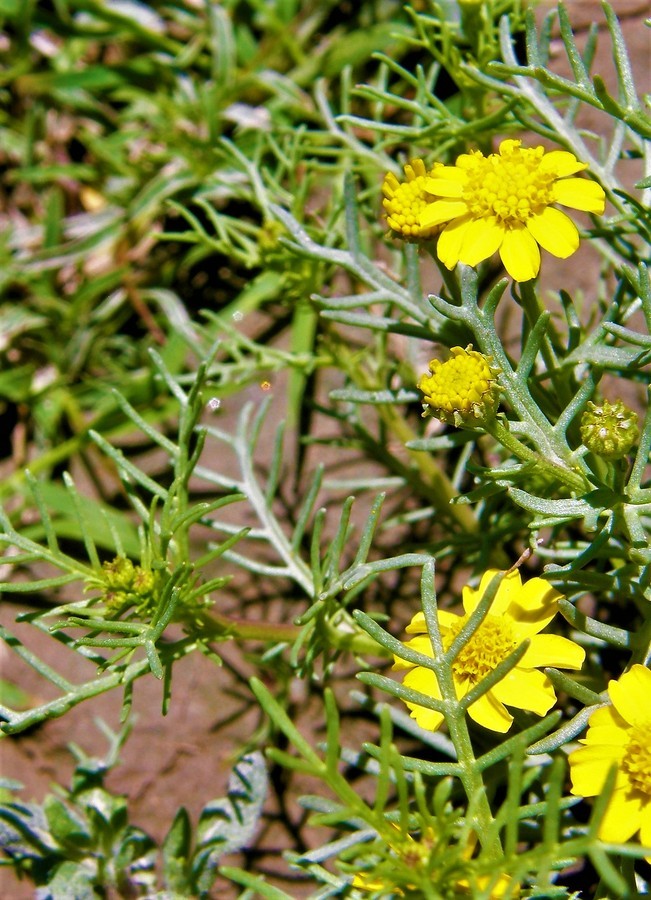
(609,429)
(404,201)
(118,573)
(143,582)
(462,389)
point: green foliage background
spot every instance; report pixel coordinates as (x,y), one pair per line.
(193,226)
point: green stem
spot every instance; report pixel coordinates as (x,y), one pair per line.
(554,471)
(216,625)
(473,784)
(533,309)
(554,455)
(440,485)
(441,491)
(220,627)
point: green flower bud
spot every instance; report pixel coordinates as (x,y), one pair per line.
(143,582)
(609,429)
(119,574)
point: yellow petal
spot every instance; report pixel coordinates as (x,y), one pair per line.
(428,719)
(441,186)
(530,690)
(579,193)
(424,681)
(489,712)
(538,594)
(445,178)
(420,644)
(561,163)
(450,241)
(509,589)
(482,238)
(630,695)
(440,211)
(607,736)
(606,726)
(417,624)
(623,816)
(520,254)
(447,620)
(527,624)
(533,607)
(552,650)
(589,767)
(555,232)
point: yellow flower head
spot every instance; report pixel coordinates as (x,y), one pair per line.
(461,389)
(620,735)
(518,612)
(405,200)
(504,202)
(389,879)
(383,885)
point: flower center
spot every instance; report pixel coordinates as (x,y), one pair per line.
(486,649)
(510,185)
(637,758)
(461,384)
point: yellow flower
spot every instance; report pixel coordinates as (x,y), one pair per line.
(518,612)
(405,200)
(504,202)
(504,883)
(463,388)
(620,735)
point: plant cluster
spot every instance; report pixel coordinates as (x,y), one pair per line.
(219,211)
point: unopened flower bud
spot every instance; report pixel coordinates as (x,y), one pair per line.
(404,201)
(143,582)
(609,429)
(119,573)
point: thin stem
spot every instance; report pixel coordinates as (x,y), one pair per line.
(297,569)
(533,310)
(571,479)
(552,447)
(455,715)
(441,490)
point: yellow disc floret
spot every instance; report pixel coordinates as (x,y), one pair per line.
(636,761)
(462,389)
(510,185)
(404,201)
(490,645)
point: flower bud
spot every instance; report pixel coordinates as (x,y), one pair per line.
(405,200)
(119,573)
(609,429)
(143,582)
